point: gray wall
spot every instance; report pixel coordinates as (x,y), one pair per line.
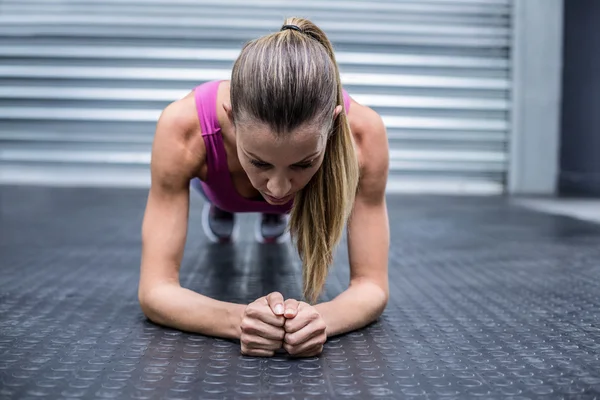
(536,75)
(580,125)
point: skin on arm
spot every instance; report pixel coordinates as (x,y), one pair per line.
(178,155)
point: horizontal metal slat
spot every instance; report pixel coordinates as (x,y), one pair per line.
(65,174)
(444,185)
(245,24)
(47,136)
(450,168)
(163,53)
(167,95)
(252,11)
(88,114)
(78,114)
(450,156)
(441,136)
(499,9)
(148,32)
(405,161)
(399,138)
(130,176)
(198,75)
(444,123)
(423,81)
(75,156)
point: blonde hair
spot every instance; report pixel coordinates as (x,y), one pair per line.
(286,80)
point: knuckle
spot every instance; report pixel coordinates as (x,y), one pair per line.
(290,339)
(291,303)
(245,341)
(275,345)
(245,325)
(275,296)
(322,327)
(251,311)
(291,350)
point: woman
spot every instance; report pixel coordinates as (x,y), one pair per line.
(277,138)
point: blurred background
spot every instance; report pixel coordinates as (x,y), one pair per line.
(478,96)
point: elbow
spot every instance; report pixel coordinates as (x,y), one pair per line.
(383,301)
(380,296)
(147,305)
(379,293)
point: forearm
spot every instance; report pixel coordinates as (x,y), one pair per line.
(183,309)
(360,304)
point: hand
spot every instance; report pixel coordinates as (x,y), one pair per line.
(305,330)
(262,326)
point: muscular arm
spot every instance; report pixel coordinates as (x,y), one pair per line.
(368,238)
(176,157)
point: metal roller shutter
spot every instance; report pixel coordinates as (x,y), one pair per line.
(82,82)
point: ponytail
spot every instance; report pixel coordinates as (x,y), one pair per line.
(322,208)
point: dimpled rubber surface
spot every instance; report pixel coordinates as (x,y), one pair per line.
(487,301)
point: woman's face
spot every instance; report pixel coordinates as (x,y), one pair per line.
(279,167)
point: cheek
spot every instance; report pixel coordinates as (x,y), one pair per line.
(302,178)
(257,179)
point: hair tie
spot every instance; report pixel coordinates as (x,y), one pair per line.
(294,27)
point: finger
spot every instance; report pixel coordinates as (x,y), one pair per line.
(275,301)
(257,342)
(291,308)
(302,318)
(305,348)
(310,352)
(261,311)
(262,329)
(258,352)
(305,334)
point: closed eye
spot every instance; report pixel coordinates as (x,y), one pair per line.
(302,166)
(260,164)
(264,165)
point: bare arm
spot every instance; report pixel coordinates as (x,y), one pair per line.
(177,155)
(368,239)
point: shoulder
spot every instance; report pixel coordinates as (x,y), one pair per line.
(178,151)
(370,136)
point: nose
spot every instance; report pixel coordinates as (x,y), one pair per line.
(279,186)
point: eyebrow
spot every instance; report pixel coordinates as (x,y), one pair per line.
(299,162)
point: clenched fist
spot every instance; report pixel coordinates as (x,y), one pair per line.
(305,329)
(262,326)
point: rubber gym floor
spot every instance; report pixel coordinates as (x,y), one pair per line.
(488,301)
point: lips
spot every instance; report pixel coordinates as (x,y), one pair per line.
(278,201)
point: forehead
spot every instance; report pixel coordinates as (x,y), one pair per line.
(293,146)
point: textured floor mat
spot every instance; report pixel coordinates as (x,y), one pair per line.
(487,301)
